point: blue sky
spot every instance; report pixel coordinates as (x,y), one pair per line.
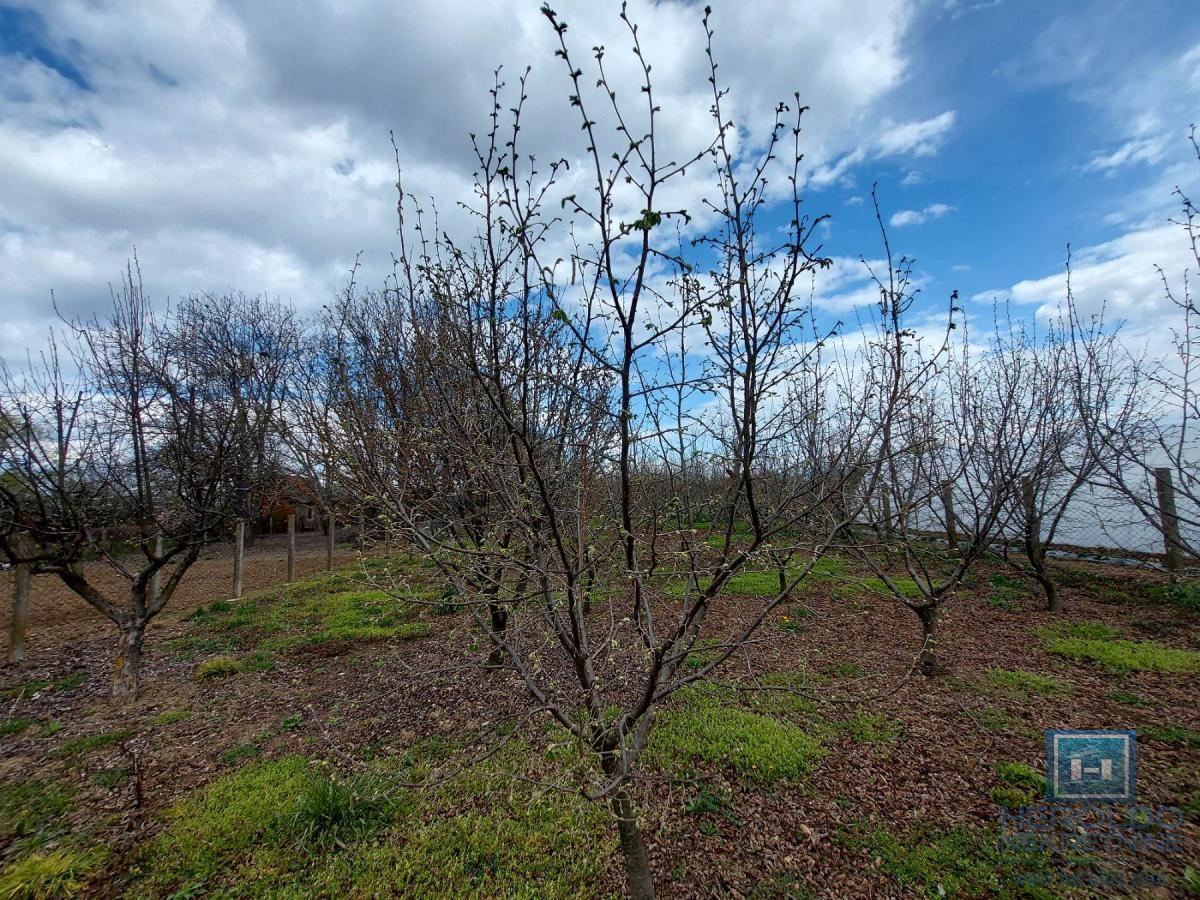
(1042,96)
(241,144)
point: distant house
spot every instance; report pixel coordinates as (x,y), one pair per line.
(292,494)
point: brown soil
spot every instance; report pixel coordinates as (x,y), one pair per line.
(939,771)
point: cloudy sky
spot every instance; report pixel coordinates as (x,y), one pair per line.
(245,143)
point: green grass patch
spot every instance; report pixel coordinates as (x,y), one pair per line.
(111,778)
(332,811)
(953,862)
(45,686)
(241,752)
(258,661)
(218,667)
(32,813)
(963,685)
(169,717)
(402,631)
(780,694)
(875,729)
(1020,785)
(843,670)
(992,719)
(1120,656)
(1021,684)
(713,802)
(754,584)
(310,612)
(42,876)
(81,746)
(15,725)
(223,666)
(904,586)
(702,653)
(1006,593)
(1183,594)
(1084,631)
(1129,699)
(765,583)
(252,833)
(703,727)
(1175,735)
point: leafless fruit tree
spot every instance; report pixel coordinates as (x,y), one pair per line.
(582,414)
(127,430)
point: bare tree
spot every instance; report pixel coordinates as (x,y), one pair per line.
(551,408)
(906,467)
(1142,411)
(1027,396)
(245,349)
(123,433)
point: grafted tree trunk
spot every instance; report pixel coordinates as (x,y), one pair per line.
(1035,549)
(127,666)
(633,848)
(1053,599)
(20,614)
(927,662)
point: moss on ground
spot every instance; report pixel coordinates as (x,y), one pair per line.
(946,862)
(1101,644)
(703,726)
(306,613)
(1021,684)
(251,833)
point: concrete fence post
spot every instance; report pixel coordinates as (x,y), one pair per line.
(951,524)
(20,614)
(1168,520)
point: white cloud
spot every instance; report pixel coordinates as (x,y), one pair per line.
(922,138)
(1119,279)
(917,138)
(906,217)
(1149,150)
(236,146)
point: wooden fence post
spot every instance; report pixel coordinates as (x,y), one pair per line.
(239,550)
(951,524)
(291,576)
(329,543)
(156,578)
(1168,520)
(20,614)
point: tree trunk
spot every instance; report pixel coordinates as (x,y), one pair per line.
(20,614)
(1035,550)
(637,864)
(1053,598)
(927,663)
(499,626)
(128,663)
